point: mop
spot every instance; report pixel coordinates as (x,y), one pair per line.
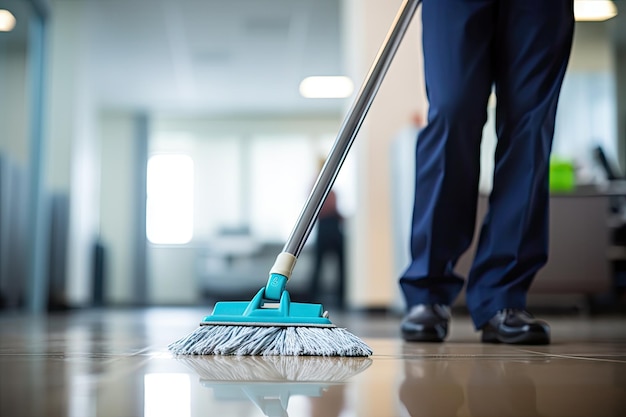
(271,324)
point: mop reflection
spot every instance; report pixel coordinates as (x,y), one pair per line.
(269,381)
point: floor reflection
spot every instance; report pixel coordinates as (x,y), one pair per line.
(270,381)
(450,380)
(430,388)
(502,388)
(116,363)
(493,388)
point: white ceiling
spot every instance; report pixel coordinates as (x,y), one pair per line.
(225,56)
(17,38)
(212,55)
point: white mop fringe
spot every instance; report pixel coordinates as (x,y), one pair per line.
(260,340)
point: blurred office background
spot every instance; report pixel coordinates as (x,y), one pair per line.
(157,152)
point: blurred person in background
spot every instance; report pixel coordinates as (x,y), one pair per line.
(329,243)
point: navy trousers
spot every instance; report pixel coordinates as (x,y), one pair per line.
(520,48)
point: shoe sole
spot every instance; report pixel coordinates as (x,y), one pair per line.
(531,338)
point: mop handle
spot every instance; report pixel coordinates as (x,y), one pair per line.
(349,129)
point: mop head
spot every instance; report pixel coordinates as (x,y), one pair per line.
(260,328)
(270,340)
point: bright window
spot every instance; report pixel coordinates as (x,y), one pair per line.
(169,211)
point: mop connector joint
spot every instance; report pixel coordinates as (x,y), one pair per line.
(279,275)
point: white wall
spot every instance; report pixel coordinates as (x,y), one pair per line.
(373,277)
(71,148)
(13,105)
(117,136)
(592,49)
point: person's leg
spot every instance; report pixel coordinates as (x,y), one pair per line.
(532,50)
(458,37)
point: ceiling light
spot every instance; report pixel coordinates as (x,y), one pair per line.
(594,10)
(326,87)
(7,21)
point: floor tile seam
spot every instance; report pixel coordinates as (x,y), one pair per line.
(460,356)
(578,357)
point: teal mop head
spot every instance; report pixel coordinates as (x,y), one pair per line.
(266,327)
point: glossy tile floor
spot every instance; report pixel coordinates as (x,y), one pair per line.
(116,363)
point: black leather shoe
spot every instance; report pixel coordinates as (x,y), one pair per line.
(514,326)
(426,323)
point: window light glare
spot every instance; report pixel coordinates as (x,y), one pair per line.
(326,87)
(594,10)
(169,211)
(7,21)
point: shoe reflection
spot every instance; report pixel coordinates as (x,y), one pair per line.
(269,381)
(479,387)
(502,388)
(430,388)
